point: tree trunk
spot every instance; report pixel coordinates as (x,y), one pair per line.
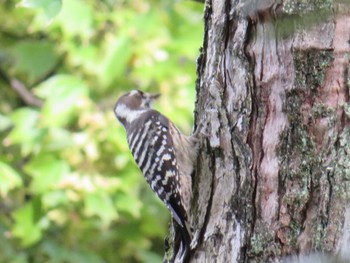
(273,175)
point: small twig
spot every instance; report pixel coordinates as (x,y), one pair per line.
(25,94)
(34,36)
(21,90)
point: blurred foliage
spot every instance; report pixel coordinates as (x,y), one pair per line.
(69,189)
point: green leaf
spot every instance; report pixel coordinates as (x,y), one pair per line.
(63,94)
(114,63)
(34,58)
(76,18)
(9,179)
(46,171)
(128,203)
(27,225)
(25,131)
(50,7)
(58,139)
(84,257)
(150,256)
(101,205)
(5,122)
(24,120)
(53,198)
(59,253)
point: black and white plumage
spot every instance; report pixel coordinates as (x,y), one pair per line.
(164,155)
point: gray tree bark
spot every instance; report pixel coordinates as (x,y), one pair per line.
(273,175)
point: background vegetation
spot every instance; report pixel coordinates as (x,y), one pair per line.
(69,189)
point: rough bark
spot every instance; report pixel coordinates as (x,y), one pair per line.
(273,175)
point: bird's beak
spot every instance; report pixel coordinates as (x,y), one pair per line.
(150,98)
(154,96)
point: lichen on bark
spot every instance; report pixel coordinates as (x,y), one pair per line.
(310,67)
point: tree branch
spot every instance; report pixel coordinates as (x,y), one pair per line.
(21,90)
(25,94)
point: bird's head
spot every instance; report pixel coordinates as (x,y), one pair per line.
(130,105)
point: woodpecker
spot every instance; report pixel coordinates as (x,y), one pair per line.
(165,156)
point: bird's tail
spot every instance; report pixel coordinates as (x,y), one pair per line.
(183,254)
